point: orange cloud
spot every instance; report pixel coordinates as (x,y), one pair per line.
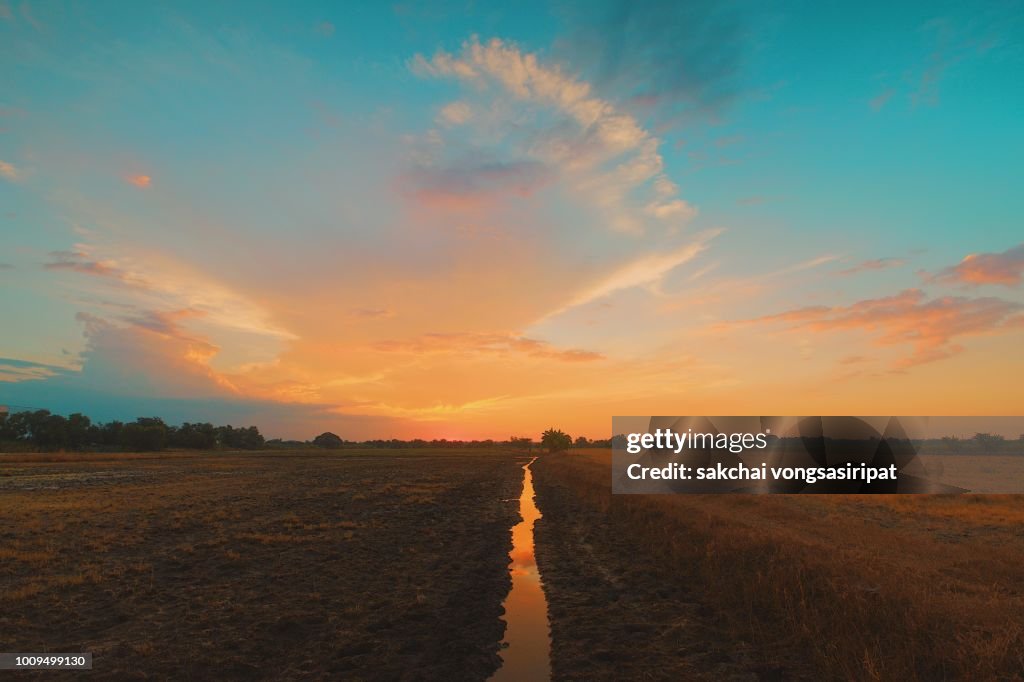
(929,326)
(1004,268)
(462,343)
(141,181)
(8,171)
(150,281)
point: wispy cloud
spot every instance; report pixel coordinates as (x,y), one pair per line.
(435,411)
(642,271)
(874,265)
(931,327)
(79,261)
(455,113)
(156,290)
(596,147)
(808,264)
(462,343)
(29,16)
(9,172)
(1005,268)
(468,183)
(13,370)
(878,103)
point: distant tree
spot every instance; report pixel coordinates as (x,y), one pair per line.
(328,441)
(12,427)
(520,443)
(952,443)
(110,434)
(252,439)
(582,442)
(988,442)
(16,426)
(555,440)
(145,434)
(48,431)
(242,438)
(79,431)
(200,436)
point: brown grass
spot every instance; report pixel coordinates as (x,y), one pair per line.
(842,587)
(229,566)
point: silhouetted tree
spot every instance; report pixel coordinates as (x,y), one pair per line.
(555,440)
(200,436)
(48,431)
(110,434)
(79,431)
(328,441)
(243,438)
(13,426)
(144,434)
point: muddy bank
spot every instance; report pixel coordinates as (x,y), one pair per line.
(616,611)
(300,566)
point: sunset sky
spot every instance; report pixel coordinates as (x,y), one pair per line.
(471,220)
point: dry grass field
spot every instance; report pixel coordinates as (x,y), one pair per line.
(777,587)
(371,565)
(359,565)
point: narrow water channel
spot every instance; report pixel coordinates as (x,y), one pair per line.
(527,652)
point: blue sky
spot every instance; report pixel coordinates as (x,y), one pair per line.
(457,218)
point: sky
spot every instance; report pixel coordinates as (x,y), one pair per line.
(482,219)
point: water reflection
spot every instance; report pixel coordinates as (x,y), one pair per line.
(527,656)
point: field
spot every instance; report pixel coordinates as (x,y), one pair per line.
(393,565)
(777,587)
(360,565)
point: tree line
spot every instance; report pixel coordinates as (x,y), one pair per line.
(552,440)
(43,430)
